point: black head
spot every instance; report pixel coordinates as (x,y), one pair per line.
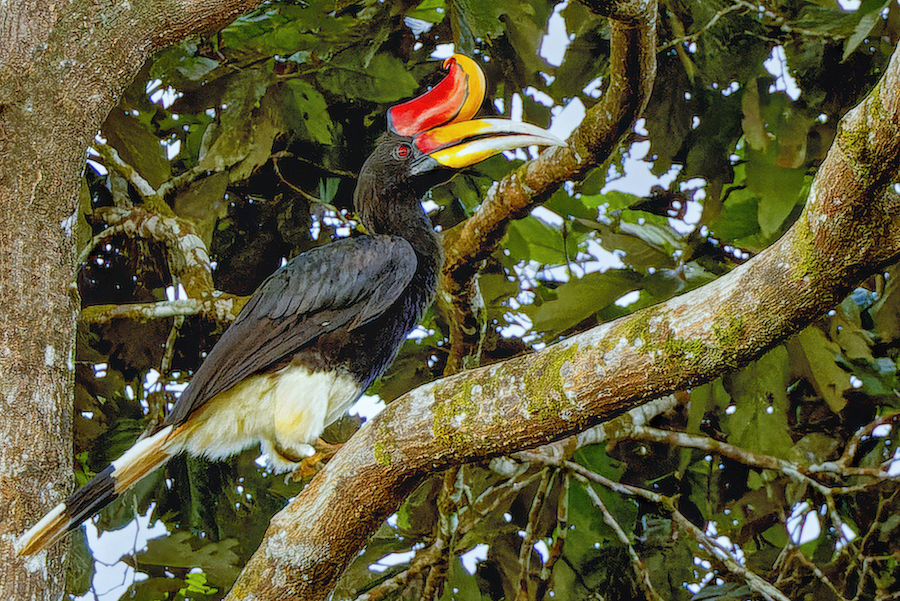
(397,165)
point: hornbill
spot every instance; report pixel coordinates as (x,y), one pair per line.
(323,327)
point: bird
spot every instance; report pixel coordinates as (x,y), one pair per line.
(322,328)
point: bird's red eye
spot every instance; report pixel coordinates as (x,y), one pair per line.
(402,151)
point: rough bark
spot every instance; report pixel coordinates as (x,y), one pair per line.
(62,69)
(848,231)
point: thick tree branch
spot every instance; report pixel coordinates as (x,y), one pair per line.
(849,230)
(632,69)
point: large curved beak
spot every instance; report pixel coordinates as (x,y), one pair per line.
(465,143)
(455,98)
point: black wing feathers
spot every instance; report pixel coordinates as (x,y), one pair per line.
(347,283)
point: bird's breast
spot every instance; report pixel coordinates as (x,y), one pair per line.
(283,411)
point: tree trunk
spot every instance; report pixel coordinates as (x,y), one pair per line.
(62,69)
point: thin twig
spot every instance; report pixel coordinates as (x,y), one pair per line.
(759,460)
(640,570)
(755,582)
(166,363)
(693,36)
(148,193)
(528,540)
(424,559)
(559,538)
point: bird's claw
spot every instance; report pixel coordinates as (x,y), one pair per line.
(311,465)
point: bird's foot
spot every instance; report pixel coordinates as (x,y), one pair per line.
(311,465)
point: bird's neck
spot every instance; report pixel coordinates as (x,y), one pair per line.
(402,215)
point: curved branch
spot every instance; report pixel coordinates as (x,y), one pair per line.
(188,257)
(632,64)
(188,262)
(849,229)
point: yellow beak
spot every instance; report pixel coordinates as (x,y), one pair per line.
(465,143)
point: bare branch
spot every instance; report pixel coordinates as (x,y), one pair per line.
(537,504)
(222,307)
(760,460)
(114,162)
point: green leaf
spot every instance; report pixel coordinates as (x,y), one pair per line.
(203,204)
(154,589)
(582,511)
(534,239)
(564,204)
(419,512)
(728,591)
(80,567)
(479,18)
(580,298)
(847,331)
(244,135)
(182,550)
(752,122)
(778,189)
(739,216)
(669,114)
(196,68)
(460,585)
(668,560)
(432,11)
(496,288)
(384,79)
(705,398)
(328,187)
(871,15)
(777,536)
(196,583)
(814,448)
(822,368)
(309,108)
(759,422)
(138,146)
(279,29)
(645,246)
(613,200)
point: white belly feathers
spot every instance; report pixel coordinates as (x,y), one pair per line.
(285,412)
